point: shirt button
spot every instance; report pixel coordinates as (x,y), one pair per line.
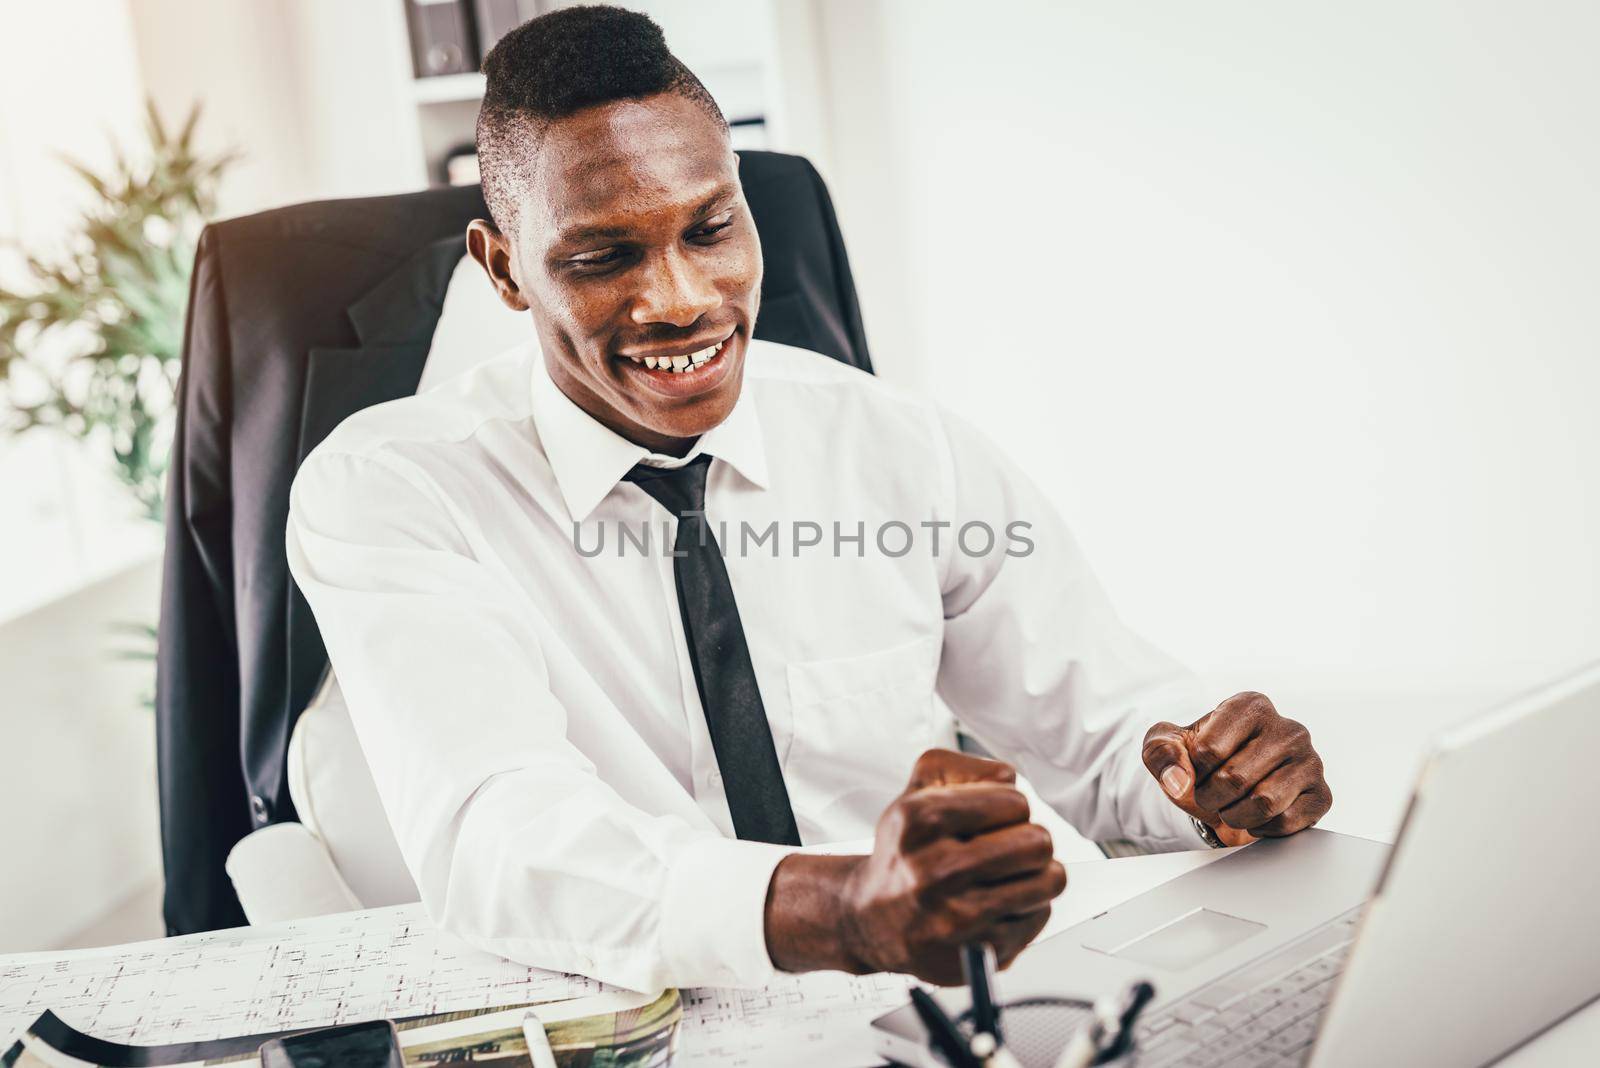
(258,808)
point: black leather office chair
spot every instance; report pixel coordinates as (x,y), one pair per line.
(297,318)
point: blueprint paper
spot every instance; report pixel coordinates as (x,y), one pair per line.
(392,963)
(383,963)
(816,1019)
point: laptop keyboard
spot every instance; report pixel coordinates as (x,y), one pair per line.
(1266,1013)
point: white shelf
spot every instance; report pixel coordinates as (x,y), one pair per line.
(448,88)
(728,43)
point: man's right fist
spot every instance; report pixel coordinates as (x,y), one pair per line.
(955,860)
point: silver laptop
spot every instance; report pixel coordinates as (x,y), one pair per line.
(1477,931)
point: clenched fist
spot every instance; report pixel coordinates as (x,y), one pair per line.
(1242,769)
(954,860)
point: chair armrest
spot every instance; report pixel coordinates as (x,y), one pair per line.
(284,872)
(338,802)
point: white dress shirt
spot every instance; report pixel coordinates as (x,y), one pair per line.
(528,706)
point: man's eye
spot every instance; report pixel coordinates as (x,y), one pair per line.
(710,231)
(603,258)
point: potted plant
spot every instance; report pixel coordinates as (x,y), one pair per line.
(91,342)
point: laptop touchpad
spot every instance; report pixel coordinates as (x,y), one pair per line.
(1190,939)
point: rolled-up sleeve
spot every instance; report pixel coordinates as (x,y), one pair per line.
(1038,666)
(514,841)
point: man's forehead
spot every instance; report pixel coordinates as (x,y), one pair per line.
(626,162)
(628,196)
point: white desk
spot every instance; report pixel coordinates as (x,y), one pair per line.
(221,981)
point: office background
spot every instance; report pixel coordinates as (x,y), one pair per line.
(1289,310)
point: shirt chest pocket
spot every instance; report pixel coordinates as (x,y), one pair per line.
(860,722)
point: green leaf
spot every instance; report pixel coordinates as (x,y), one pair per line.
(91,179)
(158,133)
(117,299)
(186,137)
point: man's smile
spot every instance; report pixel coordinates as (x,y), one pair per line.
(682,371)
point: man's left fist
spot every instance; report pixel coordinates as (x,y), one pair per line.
(1241,769)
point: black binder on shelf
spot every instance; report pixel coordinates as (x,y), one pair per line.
(496,18)
(442,38)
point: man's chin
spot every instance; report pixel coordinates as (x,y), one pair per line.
(695,418)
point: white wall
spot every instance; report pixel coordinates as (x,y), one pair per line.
(360,130)
(48,109)
(1289,308)
(78,826)
(78,798)
(235,57)
(309,91)
(64,519)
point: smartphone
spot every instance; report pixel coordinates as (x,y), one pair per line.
(373,1044)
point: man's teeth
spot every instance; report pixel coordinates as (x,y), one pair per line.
(680,364)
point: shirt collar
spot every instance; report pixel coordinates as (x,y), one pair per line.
(589,458)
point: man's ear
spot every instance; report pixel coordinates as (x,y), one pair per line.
(493,252)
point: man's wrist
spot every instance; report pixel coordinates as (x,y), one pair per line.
(806,921)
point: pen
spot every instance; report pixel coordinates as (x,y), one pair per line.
(977,961)
(942,1031)
(990,1053)
(1110,1033)
(1137,997)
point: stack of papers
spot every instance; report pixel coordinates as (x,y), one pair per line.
(392,963)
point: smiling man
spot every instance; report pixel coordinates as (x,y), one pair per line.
(607,761)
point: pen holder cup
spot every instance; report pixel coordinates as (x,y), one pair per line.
(1036,1030)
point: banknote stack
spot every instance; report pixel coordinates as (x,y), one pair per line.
(611,1030)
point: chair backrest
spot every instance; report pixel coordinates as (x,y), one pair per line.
(299,317)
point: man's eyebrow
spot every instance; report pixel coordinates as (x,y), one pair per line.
(722,193)
(592,233)
(612,233)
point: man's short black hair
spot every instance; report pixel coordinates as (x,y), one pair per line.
(558,64)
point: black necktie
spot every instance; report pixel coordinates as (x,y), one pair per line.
(723,673)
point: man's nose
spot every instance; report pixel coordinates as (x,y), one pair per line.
(675,292)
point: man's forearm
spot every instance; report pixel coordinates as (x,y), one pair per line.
(805,921)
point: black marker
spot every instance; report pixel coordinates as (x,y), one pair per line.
(942,1031)
(977,961)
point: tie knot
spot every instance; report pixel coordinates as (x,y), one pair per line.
(679,489)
